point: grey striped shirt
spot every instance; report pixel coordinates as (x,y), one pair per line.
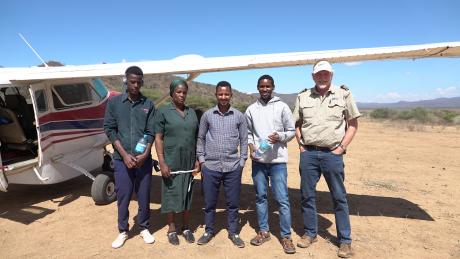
(219,137)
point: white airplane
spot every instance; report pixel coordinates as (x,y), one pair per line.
(51,117)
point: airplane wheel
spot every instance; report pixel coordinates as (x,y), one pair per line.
(108,163)
(103,190)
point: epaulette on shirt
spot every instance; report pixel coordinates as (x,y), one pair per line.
(344,87)
(304,90)
(346,91)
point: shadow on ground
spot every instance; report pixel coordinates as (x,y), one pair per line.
(19,204)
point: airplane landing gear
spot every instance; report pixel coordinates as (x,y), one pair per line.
(103,189)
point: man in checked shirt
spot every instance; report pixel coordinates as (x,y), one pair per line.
(222,130)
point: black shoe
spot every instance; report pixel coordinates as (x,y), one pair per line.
(173,239)
(188,235)
(205,238)
(236,240)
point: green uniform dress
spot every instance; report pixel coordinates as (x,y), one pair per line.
(179,143)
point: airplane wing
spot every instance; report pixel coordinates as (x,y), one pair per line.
(195,64)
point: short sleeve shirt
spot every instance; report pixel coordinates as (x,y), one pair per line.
(324,118)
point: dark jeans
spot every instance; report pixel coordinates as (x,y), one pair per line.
(232,188)
(127,180)
(276,174)
(313,163)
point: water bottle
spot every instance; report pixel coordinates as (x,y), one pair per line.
(264,146)
(141,145)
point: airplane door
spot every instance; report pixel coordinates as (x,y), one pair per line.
(3,181)
(40,102)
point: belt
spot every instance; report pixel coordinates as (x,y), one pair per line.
(310,147)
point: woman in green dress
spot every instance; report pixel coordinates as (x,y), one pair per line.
(176,128)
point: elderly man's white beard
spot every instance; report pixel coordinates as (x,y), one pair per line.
(322,86)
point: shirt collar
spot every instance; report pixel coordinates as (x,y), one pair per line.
(171,106)
(231,110)
(124,97)
(331,89)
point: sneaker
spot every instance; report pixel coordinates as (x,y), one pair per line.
(236,240)
(261,238)
(148,238)
(120,240)
(173,239)
(306,241)
(288,246)
(188,235)
(205,238)
(345,251)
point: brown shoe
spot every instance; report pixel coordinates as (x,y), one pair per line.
(261,238)
(288,246)
(306,241)
(345,251)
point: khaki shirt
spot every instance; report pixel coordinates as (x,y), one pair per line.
(324,117)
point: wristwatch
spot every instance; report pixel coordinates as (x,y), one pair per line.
(343,147)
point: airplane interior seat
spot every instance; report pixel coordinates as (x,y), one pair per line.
(12,135)
(11,131)
(18,104)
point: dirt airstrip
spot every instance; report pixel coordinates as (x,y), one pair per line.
(403,185)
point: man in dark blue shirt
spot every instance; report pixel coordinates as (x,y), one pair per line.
(128,118)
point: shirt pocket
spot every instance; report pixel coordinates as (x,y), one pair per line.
(308,108)
(336,107)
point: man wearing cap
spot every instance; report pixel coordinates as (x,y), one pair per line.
(326,119)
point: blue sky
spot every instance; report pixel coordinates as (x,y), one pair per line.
(91,32)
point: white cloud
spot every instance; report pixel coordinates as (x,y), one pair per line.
(448,91)
(352,63)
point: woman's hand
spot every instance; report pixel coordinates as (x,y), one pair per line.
(165,170)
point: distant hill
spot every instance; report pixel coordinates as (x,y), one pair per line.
(160,85)
(439,103)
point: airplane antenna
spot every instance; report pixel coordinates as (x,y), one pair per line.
(30,46)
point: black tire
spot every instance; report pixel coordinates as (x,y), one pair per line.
(108,163)
(103,190)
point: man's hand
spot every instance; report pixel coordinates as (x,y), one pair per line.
(252,152)
(273,138)
(130,161)
(141,160)
(301,148)
(197,168)
(338,151)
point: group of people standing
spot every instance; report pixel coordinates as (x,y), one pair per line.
(324,122)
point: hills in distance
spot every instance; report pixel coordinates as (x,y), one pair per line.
(202,95)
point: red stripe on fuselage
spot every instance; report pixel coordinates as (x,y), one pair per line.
(67,139)
(95,112)
(69,133)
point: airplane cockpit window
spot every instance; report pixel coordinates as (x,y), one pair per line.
(100,87)
(40,98)
(73,95)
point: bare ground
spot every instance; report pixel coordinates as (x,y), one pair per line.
(403,184)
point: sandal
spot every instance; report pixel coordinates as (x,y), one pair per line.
(261,238)
(173,239)
(188,235)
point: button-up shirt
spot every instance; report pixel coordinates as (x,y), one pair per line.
(128,121)
(219,136)
(324,117)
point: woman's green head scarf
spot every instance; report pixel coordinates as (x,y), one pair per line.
(175,83)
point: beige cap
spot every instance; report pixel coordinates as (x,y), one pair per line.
(322,65)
